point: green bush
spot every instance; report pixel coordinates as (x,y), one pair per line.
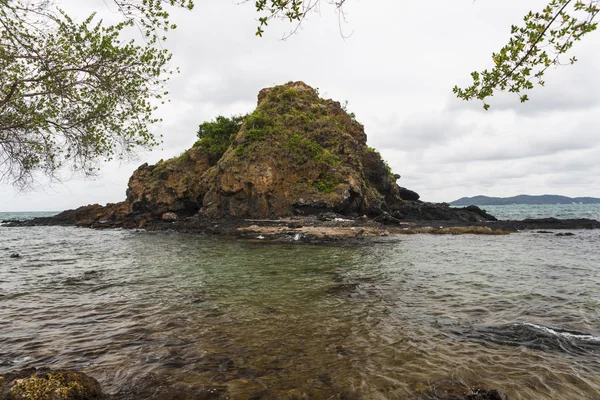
(257,125)
(240,150)
(289,94)
(303,149)
(258,120)
(216,136)
(326,183)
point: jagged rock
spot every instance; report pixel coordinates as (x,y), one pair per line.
(296,154)
(15,255)
(407,194)
(46,384)
(386,218)
(174,185)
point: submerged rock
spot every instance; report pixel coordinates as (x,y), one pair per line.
(458,390)
(46,384)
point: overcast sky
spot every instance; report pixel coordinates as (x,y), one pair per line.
(396,71)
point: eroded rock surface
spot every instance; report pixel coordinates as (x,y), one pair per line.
(295,155)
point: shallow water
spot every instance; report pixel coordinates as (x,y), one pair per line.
(143,312)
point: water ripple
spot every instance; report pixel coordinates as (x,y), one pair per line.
(169,315)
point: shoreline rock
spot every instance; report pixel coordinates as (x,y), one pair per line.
(296,158)
(321,228)
(47,384)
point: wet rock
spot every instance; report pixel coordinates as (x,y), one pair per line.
(15,255)
(160,387)
(422,211)
(476,395)
(457,390)
(46,384)
(387,219)
(564,234)
(328,216)
(544,232)
(481,394)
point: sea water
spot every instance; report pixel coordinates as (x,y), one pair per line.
(405,317)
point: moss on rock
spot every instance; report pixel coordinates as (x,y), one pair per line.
(45,384)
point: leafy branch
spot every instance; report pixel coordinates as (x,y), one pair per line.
(540,43)
(74,93)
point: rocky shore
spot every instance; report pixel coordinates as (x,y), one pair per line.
(298,166)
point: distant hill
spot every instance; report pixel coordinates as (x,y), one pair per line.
(523,199)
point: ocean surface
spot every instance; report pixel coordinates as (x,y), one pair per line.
(562,211)
(408,317)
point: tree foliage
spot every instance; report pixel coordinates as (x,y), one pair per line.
(294,11)
(542,41)
(216,136)
(73,93)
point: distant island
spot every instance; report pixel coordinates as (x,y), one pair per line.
(523,199)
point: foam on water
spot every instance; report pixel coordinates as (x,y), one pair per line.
(565,334)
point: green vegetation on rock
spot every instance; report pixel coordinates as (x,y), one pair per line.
(326,182)
(54,385)
(296,153)
(216,136)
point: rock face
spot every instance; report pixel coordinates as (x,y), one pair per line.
(296,154)
(46,384)
(174,185)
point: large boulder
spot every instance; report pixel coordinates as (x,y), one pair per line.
(46,384)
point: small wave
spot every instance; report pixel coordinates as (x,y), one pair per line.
(536,337)
(566,334)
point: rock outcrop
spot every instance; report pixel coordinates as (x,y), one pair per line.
(46,384)
(296,154)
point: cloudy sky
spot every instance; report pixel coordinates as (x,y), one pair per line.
(396,71)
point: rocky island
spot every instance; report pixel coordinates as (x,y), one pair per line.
(297,166)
